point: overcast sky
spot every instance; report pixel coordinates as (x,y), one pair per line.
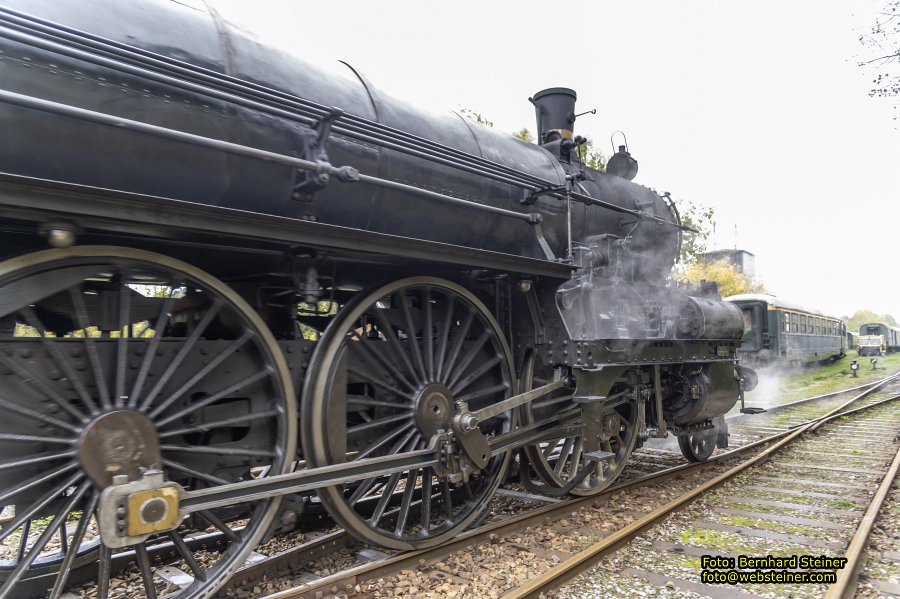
(755,109)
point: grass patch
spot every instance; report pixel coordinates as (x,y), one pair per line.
(797,383)
(793,529)
(843,504)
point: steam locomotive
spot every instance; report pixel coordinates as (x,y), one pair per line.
(233,286)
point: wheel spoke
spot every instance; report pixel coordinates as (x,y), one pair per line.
(150,353)
(388,331)
(382,441)
(143,561)
(426,498)
(63,575)
(25,515)
(407,415)
(61,360)
(216,450)
(564,455)
(470,355)
(104,567)
(122,342)
(411,478)
(362,400)
(551,446)
(576,456)
(385,498)
(374,381)
(38,459)
(361,490)
(217,522)
(411,337)
(28,558)
(32,378)
(90,347)
(457,345)
(364,345)
(185,553)
(217,424)
(445,338)
(458,387)
(41,478)
(427,332)
(194,473)
(182,353)
(445,496)
(215,397)
(14,407)
(23,540)
(35,439)
(203,372)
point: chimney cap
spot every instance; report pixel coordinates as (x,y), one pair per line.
(555,90)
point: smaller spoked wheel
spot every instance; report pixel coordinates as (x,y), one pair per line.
(557,461)
(385,377)
(699,446)
(115,362)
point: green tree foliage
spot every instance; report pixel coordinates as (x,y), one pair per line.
(474,115)
(524,134)
(703,219)
(882,44)
(861,317)
(728,278)
(592,157)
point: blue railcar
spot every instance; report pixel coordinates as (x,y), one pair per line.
(776,331)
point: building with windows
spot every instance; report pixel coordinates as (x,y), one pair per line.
(742,260)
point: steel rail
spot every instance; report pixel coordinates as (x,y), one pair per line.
(840,588)
(581,561)
(372,570)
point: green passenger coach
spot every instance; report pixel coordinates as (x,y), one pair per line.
(776,331)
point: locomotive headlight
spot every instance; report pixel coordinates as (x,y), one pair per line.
(59,234)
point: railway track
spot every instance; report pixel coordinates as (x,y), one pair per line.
(803,495)
(333,563)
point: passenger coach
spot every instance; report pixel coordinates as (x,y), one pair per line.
(778,331)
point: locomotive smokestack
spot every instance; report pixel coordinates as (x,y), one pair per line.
(555,111)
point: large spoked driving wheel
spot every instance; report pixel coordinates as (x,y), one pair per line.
(114,361)
(557,461)
(384,378)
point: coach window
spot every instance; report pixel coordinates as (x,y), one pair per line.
(787,321)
